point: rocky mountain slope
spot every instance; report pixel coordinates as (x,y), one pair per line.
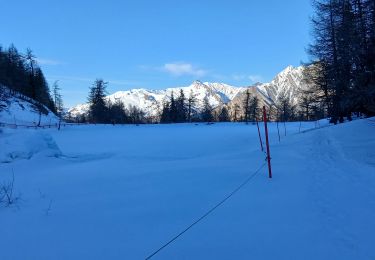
(287,83)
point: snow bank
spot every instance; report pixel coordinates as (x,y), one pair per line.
(24,144)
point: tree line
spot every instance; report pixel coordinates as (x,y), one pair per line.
(181,108)
(103,111)
(342,71)
(21,74)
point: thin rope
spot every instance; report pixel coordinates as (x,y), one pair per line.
(208,212)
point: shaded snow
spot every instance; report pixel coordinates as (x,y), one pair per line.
(21,112)
(120,192)
(24,144)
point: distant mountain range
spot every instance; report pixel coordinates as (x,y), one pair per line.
(286,84)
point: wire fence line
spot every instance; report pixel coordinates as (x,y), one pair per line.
(55,125)
(246,181)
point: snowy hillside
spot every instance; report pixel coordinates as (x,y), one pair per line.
(288,82)
(21,112)
(121,192)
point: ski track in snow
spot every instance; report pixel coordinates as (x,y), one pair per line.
(340,170)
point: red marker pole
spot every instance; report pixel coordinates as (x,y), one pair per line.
(267,142)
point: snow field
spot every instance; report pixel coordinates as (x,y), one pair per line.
(120,192)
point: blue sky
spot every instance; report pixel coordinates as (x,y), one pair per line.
(157,44)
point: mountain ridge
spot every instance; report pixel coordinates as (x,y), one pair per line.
(286,83)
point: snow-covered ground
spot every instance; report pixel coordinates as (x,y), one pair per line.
(121,192)
(21,112)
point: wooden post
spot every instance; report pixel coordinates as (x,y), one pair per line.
(267,142)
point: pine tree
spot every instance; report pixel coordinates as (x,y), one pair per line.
(136,115)
(343,48)
(173,109)
(313,101)
(58,102)
(254,109)
(3,96)
(224,115)
(98,109)
(16,75)
(21,74)
(30,58)
(57,99)
(165,114)
(325,49)
(117,112)
(42,90)
(181,109)
(246,106)
(362,94)
(206,114)
(236,113)
(286,111)
(191,106)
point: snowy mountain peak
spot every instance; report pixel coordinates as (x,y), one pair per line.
(197,82)
(288,69)
(286,83)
